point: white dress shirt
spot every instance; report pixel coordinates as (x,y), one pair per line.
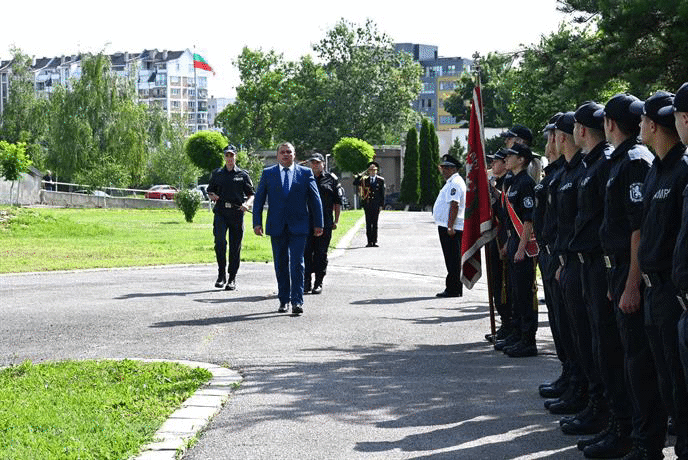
(454,190)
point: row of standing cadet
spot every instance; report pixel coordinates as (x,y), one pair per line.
(611,221)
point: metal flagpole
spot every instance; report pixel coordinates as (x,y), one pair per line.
(488,262)
(193,58)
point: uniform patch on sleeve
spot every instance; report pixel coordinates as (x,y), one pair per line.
(528,202)
(635,192)
(453,192)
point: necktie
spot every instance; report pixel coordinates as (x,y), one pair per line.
(285,184)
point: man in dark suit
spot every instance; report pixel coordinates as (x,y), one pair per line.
(291,191)
(373,198)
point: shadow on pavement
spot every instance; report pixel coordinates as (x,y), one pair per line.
(162,294)
(218,320)
(378,301)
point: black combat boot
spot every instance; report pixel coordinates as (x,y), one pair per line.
(510,340)
(615,444)
(526,347)
(593,419)
(221,278)
(556,388)
(317,285)
(572,405)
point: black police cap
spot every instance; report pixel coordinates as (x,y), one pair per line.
(520,150)
(374,163)
(550,126)
(618,108)
(450,161)
(680,102)
(587,116)
(317,157)
(652,106)
(519,131)
(565,122)
(230,149)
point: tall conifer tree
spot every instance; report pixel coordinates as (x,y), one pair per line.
(410,184)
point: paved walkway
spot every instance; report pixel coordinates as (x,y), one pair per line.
(376,368)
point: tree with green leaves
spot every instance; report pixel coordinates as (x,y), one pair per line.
(168,161)
(97,129)
(25,115)
(13,162)
(430,184)
(353,154)
(410,183)
(205,148)
(458,151)
(495,84)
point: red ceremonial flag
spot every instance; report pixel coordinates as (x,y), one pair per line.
(199,63)
(477,224)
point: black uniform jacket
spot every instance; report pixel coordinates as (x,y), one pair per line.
(521,195)
(330,194)
(662,206)
(680,270)
(586,234)
(545,217)
(623,198)
(567,202)
(376,191)
(233,187)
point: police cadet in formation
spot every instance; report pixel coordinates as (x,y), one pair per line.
(520,200)
(316,247)
(587,385)
(607,350)
(498,270)
(231,189)
(662,204)
(448,212)
(619,236)
(372,194)
(680,269)
(545,228)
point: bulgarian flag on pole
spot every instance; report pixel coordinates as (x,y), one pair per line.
(199,63)
(477,226)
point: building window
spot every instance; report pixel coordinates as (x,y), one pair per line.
(429,103)
(448,85)
(174,80)
(161,79)
(174,91)
(428,87)
(447,120)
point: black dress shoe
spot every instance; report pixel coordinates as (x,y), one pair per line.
(617,443)
(509,341)
(220,282)
(283,308)
(306,289)
(297,309)
(521,350)
(585,442)
(369,245)
(317,289)
(569,406)
(445,293)
(230,286)
(375,245)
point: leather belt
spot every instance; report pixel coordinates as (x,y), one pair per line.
(232,205)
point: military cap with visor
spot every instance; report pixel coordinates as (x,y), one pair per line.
(565,122)
(652,106)
(521,151)
(519,131)
(317,157)
(230,149)
(589,116)
(680,102)
(450,162)
(618,108)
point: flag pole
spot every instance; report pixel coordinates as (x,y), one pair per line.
(195,94)
(488,262)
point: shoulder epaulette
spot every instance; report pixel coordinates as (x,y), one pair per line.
(640,152)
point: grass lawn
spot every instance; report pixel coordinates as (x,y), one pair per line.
(40,239)
(88,409)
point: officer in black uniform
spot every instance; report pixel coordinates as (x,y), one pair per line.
(662,204)
(521,266)
(545,228)
(619,235)
(569,272)
(498,271)
(680,269)
(518,134)
(331,192)
(373,197)
(231,189)
(588,135)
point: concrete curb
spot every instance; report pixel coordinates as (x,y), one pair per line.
(194,414)
(345,241)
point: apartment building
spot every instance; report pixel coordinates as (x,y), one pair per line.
(165,79)
(440,77)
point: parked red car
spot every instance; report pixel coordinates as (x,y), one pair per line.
(161,192)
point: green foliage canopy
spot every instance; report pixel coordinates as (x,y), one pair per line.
(353,154)
(204,148)
(13,160)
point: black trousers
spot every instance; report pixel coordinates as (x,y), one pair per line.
(683,343)
(662,315)
(579,319)
(606,341)
(649,417)
(315,257)
(553,300)
(498,283)
(451,248)
(524,303)
(228,221)
(371,215)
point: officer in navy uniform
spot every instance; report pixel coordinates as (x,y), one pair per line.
(521,268)
(373,201)
(680,268)
(498,270)
(585,244)
(231,189)
(545,227)
(662,204)
(569,274)
(315,257)
(518,134)
(619,235)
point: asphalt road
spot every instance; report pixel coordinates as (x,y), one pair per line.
(376,368)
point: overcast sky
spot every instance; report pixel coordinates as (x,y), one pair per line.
(219,30)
